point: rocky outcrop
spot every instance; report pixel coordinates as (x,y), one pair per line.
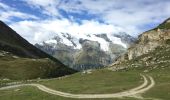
(148,41)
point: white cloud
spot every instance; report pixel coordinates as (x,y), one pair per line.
(7,13)
(92,6)
(4,6)
(138,13)
(128,14)
(38,31)
(49,7)
(117,15)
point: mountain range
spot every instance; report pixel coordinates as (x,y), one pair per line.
(87,51)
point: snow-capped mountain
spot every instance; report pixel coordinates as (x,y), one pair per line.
(84,51)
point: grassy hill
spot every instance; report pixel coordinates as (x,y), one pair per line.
(21,60)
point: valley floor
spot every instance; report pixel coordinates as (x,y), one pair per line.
(129,93)
(97,82)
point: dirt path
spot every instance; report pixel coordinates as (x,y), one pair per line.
(147,84)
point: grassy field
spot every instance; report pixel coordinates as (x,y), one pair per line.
(101,81)
(30,93)
(162,88)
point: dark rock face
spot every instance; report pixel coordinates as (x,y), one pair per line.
(90,56)
(60,51)
(88,45)
(104,36)
(117,50)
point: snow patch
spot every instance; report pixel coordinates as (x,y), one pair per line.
(92,37)
(117,41)
(51,42)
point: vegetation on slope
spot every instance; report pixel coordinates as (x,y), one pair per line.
(160,57)
(14,67)
(21,60)
(165,25)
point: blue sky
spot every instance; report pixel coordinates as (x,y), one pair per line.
(38,20)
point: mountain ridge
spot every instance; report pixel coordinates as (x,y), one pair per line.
(108,45)
(19,56)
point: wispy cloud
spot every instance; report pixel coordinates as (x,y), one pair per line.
(49,7)
(46,29)
(8,13)
(128,14)
(86,16)
(125,13)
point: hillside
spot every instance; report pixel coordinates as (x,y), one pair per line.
(151,51)
(21,60)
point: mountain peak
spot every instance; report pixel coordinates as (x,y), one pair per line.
(164,25)
(167,20)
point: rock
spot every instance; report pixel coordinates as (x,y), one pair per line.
(5,79)
(16,57)
(17,90)
(147,42)
(146,71)
(87,72)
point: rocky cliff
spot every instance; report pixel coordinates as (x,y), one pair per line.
(151,51)
(148,41)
